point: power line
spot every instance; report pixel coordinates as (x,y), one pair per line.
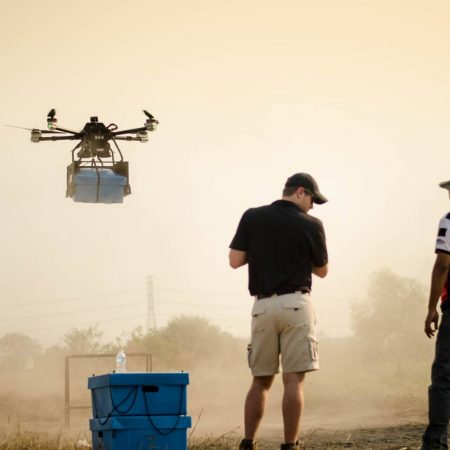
(118,293)
(124,305)
(71,299)
(72,312)
(200,292)
(91,322)
(113,319)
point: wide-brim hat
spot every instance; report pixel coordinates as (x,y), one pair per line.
(308,182)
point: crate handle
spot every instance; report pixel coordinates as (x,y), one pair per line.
(150,388)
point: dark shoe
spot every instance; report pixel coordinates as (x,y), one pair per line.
(295,446)
(247,444)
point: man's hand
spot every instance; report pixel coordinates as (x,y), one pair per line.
(321,271)
(237,258)
(438,277)
(432,318)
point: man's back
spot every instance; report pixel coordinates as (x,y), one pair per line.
(282,244)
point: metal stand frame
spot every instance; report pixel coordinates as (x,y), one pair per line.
(67,407)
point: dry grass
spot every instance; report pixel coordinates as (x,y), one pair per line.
(225,441)
(406,437)
(213,443)
(25,440)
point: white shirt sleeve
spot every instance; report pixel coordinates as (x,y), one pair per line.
(443,237)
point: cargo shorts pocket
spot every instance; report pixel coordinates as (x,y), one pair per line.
(258,309)
(249,355)
(258,318)
(293,304)
(295,314)
(313,349)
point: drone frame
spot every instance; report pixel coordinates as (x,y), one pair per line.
(94,160)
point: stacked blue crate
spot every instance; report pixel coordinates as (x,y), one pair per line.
(134,411)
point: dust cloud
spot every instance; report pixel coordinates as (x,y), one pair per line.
(376,376)
(246,95)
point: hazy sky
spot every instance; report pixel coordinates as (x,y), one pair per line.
(247,93)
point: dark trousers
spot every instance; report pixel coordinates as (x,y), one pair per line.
(435,436)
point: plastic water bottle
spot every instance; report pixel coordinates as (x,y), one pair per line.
(121,360)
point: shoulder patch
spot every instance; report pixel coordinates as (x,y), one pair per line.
(442,232)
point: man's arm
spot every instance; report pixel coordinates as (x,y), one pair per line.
(321,271)
(319,251)
(237,258)
(438,277)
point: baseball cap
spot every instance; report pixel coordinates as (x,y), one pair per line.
(445,184)
(308,182)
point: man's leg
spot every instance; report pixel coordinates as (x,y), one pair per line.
(255,404)
(435,436)
(292,405)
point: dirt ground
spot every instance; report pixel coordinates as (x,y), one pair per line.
(400,437)
(403,437)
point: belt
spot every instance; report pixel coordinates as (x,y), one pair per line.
(261,296)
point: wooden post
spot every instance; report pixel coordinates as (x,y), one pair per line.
(67,407)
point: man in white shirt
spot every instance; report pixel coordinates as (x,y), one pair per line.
(435,436)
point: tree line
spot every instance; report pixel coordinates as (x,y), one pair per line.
(386,326)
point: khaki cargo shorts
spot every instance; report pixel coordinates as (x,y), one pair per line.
(283,325)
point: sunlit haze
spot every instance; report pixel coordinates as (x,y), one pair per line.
(247,93)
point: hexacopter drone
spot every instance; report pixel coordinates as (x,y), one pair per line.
(96,174)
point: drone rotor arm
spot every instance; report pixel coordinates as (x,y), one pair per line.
(127,138)
(64,130)
(59,138)
(48,131)
(133,130)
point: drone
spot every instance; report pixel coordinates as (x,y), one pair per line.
(98,172)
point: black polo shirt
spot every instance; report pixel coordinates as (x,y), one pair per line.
(282,244)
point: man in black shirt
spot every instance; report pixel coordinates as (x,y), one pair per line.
(283,246)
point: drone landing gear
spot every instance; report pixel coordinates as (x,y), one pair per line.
(89,182)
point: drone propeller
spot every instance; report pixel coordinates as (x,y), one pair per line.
(151,122)
(20,128)
(151,117)
(52,123)
(32,129)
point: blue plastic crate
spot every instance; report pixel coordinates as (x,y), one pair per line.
(139,394)
(140,433)
(98,186)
